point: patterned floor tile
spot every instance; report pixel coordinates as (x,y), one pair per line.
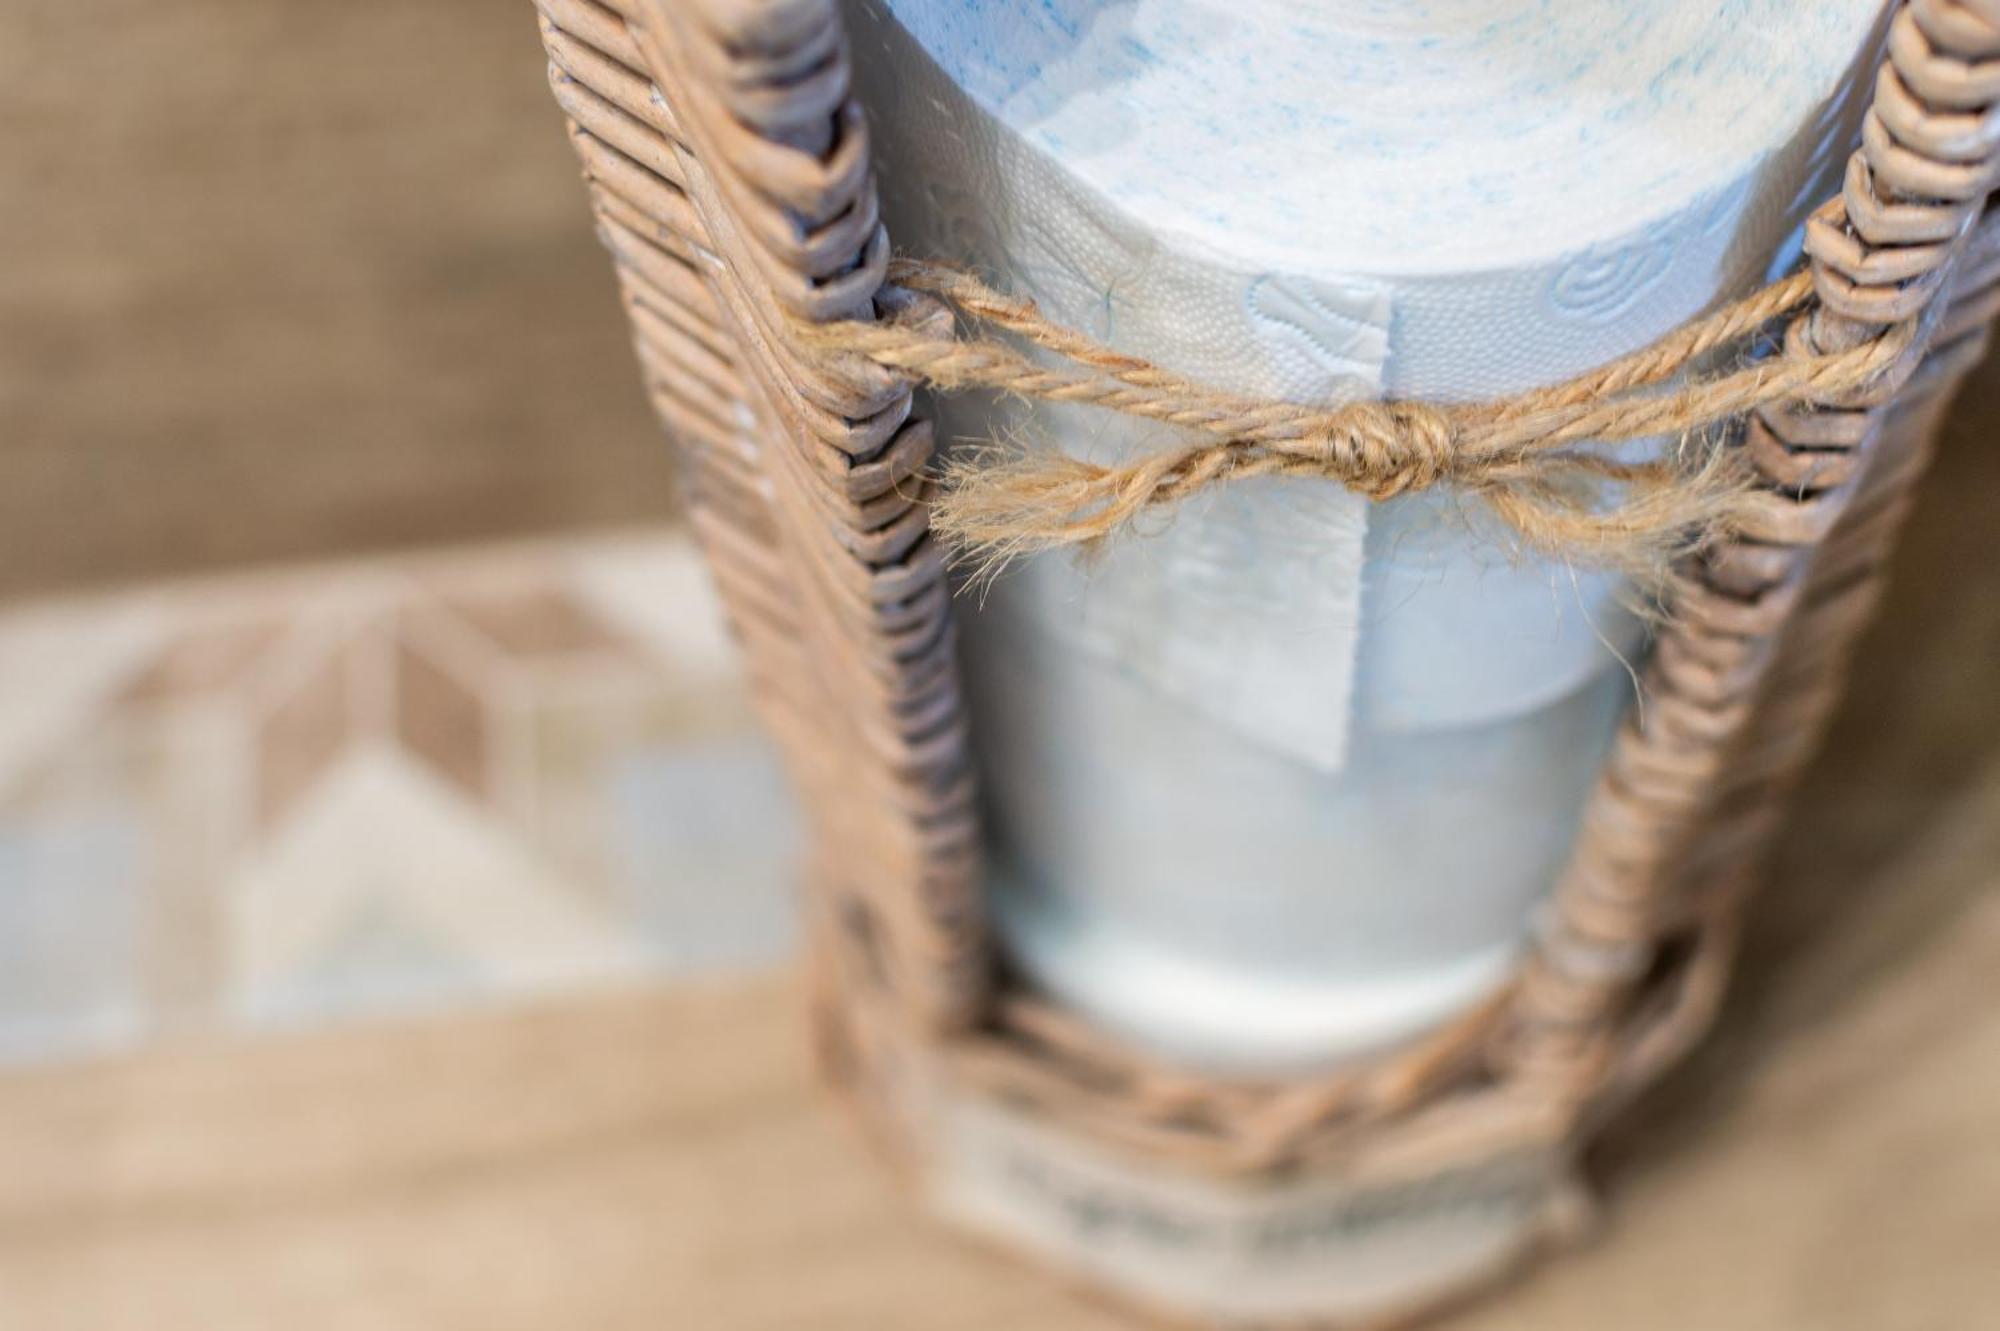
(306,795)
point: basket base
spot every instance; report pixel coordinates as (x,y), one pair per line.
(1317,1249)
(1371,1238)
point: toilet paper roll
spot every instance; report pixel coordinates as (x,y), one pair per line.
(1251,916)
(1281,782)
(1551,167)
(1445,198)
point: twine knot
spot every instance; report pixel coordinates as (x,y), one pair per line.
(1541,460)
(1385,449)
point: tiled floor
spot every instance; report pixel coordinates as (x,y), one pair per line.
(379,784)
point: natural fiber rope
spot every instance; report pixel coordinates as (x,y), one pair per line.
(1537,459)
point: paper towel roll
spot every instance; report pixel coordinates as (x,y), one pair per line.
(1440,197)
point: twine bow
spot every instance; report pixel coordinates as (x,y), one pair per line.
(1542,461)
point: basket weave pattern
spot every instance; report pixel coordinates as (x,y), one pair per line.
(739,204)
(729,169)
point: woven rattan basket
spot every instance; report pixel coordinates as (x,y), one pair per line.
(729,168)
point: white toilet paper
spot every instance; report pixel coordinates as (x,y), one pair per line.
(1450,198)
(1553,165)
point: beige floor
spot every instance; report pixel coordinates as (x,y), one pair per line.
(656,1160)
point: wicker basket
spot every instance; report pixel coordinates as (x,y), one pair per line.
(729,168)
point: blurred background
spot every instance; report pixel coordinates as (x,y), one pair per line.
(286,288)
(392,882)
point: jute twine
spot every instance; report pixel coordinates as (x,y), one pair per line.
(1543,461)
